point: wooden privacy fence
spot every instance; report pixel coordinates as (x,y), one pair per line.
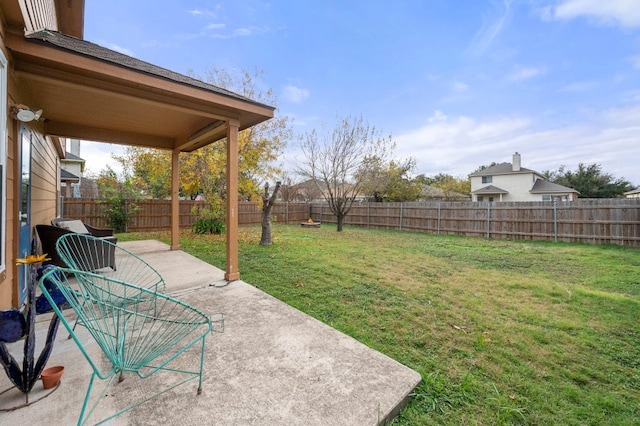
(155,215)
(596,221)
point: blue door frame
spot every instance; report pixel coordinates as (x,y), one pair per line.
(24,247)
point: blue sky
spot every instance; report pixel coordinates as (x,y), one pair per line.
(457,83)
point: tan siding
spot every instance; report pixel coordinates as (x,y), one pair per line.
(7,286)
(8,293)
(44,161)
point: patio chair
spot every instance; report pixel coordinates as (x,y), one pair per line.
(138,330)
(81,227)
(87,253)
(49,235)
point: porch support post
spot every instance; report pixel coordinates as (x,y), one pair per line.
(232,273)
(175,200)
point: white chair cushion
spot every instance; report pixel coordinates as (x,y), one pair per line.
(74,226)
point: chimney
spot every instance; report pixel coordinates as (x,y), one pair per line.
(516,162)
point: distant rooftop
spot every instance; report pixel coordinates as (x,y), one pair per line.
(502,169)
(542,186)
(72,157)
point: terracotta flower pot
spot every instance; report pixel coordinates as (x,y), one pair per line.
(51,376)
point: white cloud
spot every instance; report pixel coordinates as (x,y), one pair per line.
(97,157)
(635,60)
(526,73)
(623,13)
(295,94)
(117,48)
(459,145)
(242,32)
(215,26)
(459,87)
(203,12)
(437,116)
(580,86)
(491,27)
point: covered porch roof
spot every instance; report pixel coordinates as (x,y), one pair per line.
(490,190)
(93,93)
(89,92)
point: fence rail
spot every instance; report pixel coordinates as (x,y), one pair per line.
(155,215)
(595,221)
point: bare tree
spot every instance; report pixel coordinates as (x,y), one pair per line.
(267,206)
(335,160)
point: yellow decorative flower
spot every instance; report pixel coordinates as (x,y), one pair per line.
(32,258)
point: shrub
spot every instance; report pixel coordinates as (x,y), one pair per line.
(204,225)
(211,221)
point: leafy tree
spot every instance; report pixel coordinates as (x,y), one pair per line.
(204,170)
(119,194)
(590,181)
(336,158)
(450,185)
(150,170)
(390,181)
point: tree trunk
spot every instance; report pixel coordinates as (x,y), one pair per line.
(340,222)
(265,239)
(267,206)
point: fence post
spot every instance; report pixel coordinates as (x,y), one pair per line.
(438,226)
(555,221)
(401,204)
(368,213)
(489,220)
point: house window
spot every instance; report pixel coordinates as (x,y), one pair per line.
(546,198)
(3,162)
(480,198)
(487,179)
(491,199)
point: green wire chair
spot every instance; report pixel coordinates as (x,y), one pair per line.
(88,253)
(138,330)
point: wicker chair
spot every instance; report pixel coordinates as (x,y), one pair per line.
(63,222)
(49,235)
(138,330)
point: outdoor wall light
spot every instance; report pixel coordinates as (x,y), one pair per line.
(25,114)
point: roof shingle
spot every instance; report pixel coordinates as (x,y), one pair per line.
(95,51)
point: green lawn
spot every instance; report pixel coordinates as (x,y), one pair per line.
(503,332)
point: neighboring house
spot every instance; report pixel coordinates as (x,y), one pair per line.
(316,191)
(68,183)
(55,86)
(512,182)
(633,194)
(309,190)
(72,169)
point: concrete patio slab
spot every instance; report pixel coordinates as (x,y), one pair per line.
(273,365)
